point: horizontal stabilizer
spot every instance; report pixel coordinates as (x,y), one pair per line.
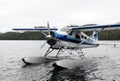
(107,43)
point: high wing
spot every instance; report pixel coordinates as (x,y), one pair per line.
(96,27)
(33,29)
(75,28)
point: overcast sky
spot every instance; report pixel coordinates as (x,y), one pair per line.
(30,13)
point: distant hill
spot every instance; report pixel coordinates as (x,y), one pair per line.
(103,35)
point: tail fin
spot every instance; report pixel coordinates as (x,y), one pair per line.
(95,35)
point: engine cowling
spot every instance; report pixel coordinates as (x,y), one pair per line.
(51,38)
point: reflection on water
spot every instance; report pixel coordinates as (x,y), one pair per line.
(80,73)
(76,74)
(104,67)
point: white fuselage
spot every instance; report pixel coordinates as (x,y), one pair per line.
(74,42)
(69,45)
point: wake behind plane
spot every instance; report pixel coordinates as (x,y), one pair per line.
(70,37)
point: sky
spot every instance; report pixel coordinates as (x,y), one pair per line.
(30,13)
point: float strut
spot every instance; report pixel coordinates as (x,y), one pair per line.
(48,51)
(58,52)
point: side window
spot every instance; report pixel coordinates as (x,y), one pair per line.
(77,36)
(71,33)
(85,37)
(82,36)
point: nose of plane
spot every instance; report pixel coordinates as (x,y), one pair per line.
(50,40)
(48,37)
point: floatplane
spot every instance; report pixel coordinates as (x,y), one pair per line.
(69,38)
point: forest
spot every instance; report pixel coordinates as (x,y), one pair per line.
(103,35)
(22,36)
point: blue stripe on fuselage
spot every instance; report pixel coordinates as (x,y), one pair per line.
(69,38)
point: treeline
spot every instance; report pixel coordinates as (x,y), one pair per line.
(22,36)
(109,35)
(103,35)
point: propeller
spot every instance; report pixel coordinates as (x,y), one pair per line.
(50,37)
(43,44)
(47,36)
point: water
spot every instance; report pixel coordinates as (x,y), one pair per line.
(103,65)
